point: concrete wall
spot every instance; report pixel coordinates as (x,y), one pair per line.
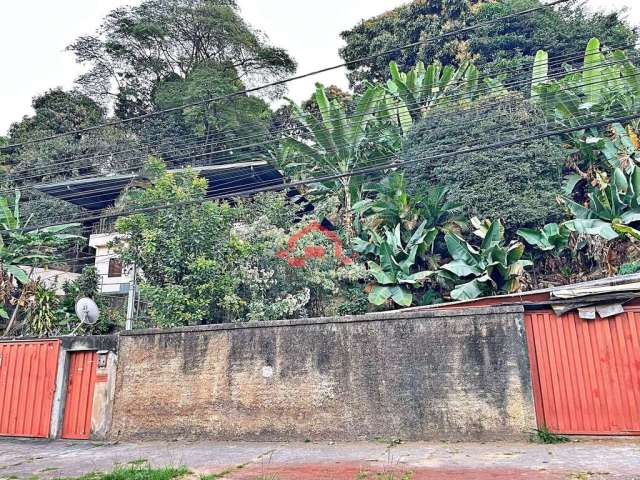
(418,375)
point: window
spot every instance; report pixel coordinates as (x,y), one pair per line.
(115,267)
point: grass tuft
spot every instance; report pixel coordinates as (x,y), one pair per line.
(543,435)
(216,476)
(136,472)
(384,476)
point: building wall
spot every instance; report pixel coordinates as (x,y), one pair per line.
(420,375)
(114,285)
(51,278)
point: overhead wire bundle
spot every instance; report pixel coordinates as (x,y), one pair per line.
(182,150)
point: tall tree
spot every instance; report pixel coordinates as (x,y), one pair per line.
(61,112)
(137,48)
(223,129)
(506,45)
(94,152)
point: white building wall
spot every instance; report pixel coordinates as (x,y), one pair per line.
(111,285)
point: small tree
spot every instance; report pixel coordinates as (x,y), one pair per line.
(183,251)
(337,146)
(22,248)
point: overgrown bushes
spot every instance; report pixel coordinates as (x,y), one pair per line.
(518,183)
(402,238)
(47,314)
(209,261)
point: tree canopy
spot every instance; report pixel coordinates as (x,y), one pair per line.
(518,184)
(58,112)
(137,48)
(562,31)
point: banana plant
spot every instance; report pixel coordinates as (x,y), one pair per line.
(603,85)
(613,208)
(19,248)
(607,85)
(551,237)
(395,269)
(390,203)
(490,268)
(339,143)
(423,88)
(438,211)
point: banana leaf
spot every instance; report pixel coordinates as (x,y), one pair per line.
(592,227)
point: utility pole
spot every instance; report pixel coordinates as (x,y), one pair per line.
(131,301)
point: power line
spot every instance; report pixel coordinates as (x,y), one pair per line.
(236,215)
(556,61)
(231,150)
(232,190)
(293,78)
(220,186)
(361,171)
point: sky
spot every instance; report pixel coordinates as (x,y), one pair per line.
(34,34)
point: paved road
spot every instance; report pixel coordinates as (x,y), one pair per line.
(594,460)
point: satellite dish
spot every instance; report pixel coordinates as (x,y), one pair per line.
(87,311)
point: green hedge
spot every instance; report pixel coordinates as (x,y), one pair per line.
(518,184)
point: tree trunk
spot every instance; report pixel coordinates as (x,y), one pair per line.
(347,214)
(14,315)
(12,321)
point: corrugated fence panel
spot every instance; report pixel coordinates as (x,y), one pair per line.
(586,373)
(27,385)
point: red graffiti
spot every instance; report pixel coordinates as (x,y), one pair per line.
(312,251)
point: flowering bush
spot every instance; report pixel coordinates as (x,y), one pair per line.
(209,262)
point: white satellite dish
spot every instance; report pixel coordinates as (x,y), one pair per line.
(87,311)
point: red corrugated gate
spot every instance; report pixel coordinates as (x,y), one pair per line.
(27,385)
(586,373)
(79,402)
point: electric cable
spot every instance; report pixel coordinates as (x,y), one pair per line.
(297,77)
(191,156)
(360,171)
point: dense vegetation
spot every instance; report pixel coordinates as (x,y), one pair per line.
(440,216)
(519,185)
(509,44)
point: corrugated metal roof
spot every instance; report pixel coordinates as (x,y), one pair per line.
(96,193)
(619,288)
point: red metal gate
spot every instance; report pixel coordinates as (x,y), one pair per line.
(586,373)
(27,385)
(79,401)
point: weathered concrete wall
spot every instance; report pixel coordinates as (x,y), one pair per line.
(103,397)
(417,375)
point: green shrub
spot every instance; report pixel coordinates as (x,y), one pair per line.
(112,315)
(355,302)
(212,262)
(629,268)
(41,311)
(518,184)
(543,435)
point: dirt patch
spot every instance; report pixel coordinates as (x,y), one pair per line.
(351,471)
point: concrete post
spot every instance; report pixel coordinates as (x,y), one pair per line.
(131,301)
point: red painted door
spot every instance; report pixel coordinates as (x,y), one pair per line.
(79,401)
(27,385)
(586,373)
